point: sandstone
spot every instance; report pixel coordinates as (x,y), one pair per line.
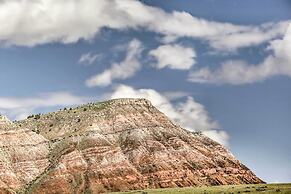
(4,122)
(117,145)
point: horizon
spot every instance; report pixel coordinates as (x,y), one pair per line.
(223,68)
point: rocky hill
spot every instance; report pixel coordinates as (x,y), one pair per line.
(117,145)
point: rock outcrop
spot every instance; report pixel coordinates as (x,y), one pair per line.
(5,123)
(117,145)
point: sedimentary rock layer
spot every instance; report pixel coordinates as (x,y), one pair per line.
(117,145)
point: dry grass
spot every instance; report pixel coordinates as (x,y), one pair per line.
(229,189)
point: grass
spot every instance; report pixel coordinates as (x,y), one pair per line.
(229,189)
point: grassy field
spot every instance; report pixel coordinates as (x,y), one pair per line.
(231,189)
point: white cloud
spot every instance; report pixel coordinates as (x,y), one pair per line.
(174,56)
(89,58)
(174,95)
(69,21)
(19,108)
(282,47)
(189,114)
(122,70)
(220,136)
(250,37)
(240,72)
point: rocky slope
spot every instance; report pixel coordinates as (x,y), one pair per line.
(116,145)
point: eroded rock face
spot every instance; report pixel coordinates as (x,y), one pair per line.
(5,123)
(117,145)
(23,156)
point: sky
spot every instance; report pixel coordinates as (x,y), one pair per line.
(220,67)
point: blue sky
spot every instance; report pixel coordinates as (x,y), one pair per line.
(223,67)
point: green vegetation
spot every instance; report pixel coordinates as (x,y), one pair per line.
(229,189)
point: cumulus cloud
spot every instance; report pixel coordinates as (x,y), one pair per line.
(89,58)
(174,56)
(219,136)
(125,69)
(189,113)
(19,108)
(240,72)
(74,20)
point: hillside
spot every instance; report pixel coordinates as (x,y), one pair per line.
(117,145)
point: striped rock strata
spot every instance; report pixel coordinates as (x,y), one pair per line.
(117,145)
